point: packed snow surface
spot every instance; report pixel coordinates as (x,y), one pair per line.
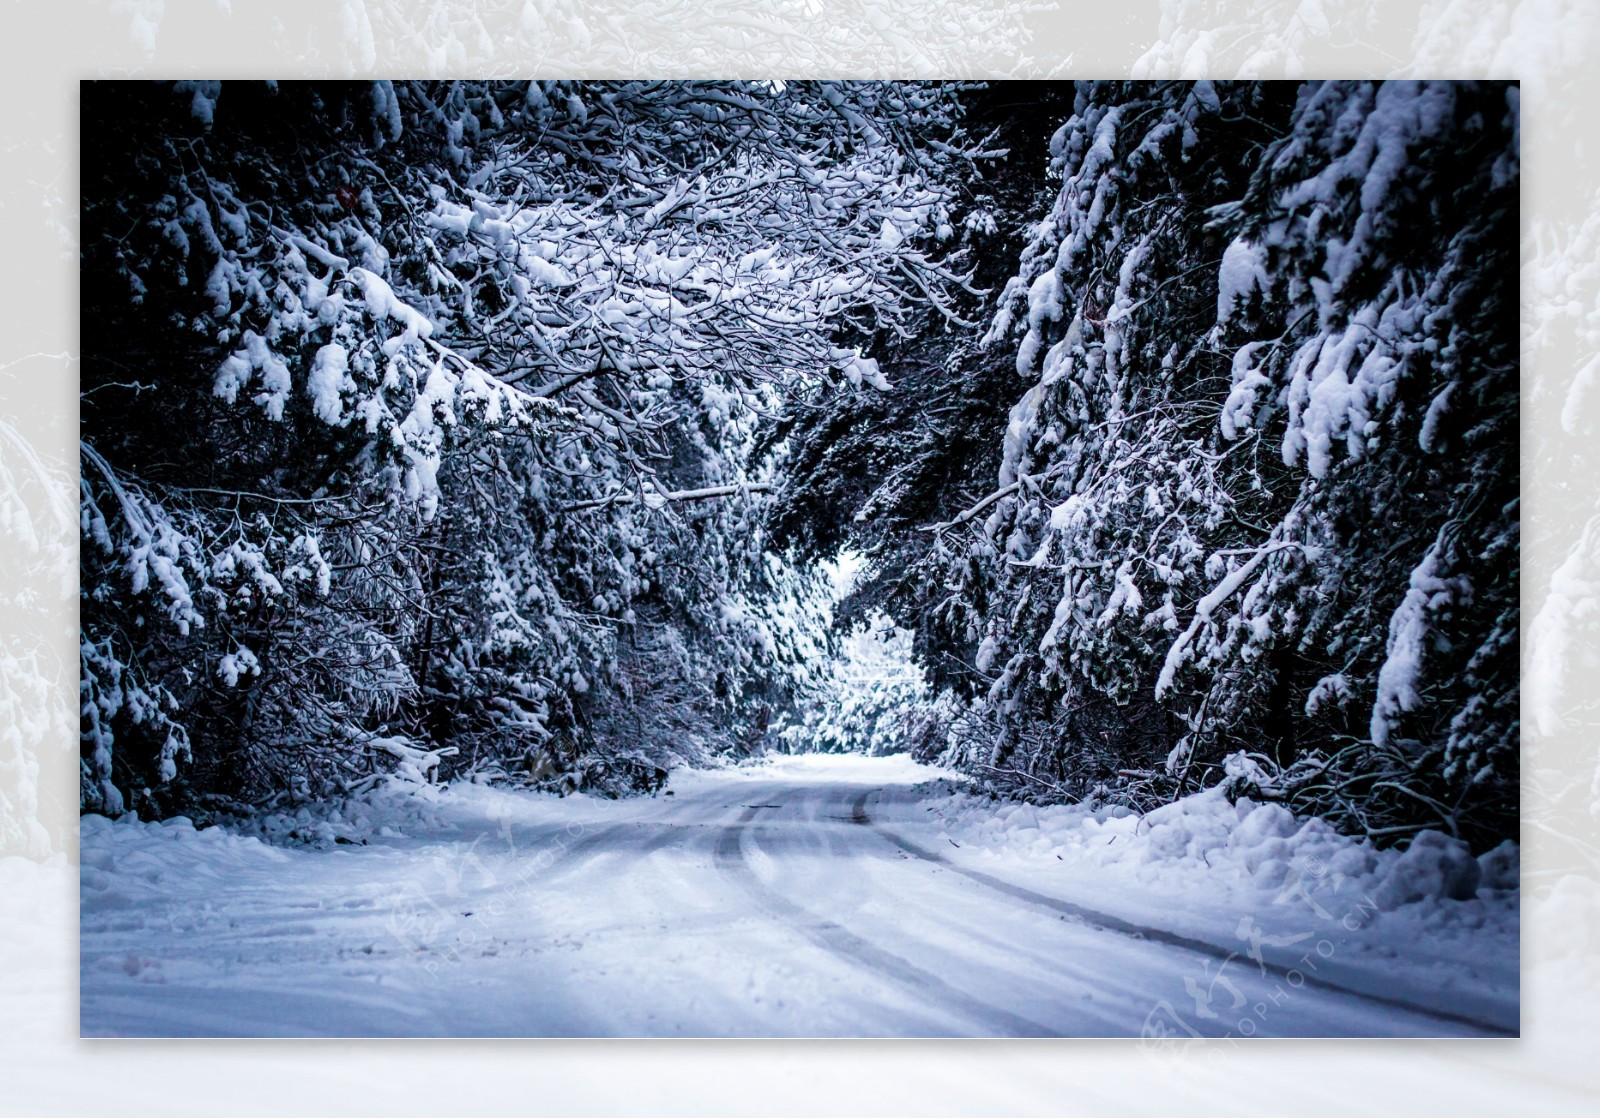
(816,895)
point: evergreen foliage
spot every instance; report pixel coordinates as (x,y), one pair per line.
(1253,514)
(418,419)
(502,426)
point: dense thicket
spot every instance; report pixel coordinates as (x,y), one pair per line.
(418,419)
(1228,490)
(501,425)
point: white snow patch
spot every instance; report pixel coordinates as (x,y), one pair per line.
(1243,271)
(328,381)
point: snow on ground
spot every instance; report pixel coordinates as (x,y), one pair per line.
(1430,923)
(816,895)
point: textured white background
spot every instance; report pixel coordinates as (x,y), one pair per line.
(1548,44)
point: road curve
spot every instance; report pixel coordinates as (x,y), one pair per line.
(798,899)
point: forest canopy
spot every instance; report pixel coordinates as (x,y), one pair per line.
(505,429)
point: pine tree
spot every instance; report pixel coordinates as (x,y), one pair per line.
(426,413)
(1252,511)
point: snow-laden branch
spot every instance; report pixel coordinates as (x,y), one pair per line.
(966,515)
(656,499)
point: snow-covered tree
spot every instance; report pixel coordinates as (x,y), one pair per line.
(1258,489)
(429,409)
(1272,497)
(508,421)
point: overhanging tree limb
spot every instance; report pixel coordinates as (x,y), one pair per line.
(655,499)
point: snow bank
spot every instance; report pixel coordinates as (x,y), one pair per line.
(1434,866)
(125,861)
(1435,923)
(1243,843)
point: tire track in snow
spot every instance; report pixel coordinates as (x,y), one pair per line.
(1064,977)
(588,845)
(580,854)
(1096,919)
(839,941)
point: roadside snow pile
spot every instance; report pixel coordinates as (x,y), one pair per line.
(383,806)
(394,806)
(385,812)
(390,807)
(125,861)
(1246,842)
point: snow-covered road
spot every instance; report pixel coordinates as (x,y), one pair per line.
(811,896)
